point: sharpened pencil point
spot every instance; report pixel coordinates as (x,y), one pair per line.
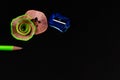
(17,48)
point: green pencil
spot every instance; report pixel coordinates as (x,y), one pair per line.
(9,48)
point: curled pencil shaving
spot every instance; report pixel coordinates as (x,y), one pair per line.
(39,19)
(15,27)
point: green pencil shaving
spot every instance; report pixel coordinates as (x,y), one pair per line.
(9,48)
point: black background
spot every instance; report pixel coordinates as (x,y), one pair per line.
(88,50)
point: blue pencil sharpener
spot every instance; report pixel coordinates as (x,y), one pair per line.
(59,22)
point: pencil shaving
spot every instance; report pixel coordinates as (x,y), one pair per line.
(39,19)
